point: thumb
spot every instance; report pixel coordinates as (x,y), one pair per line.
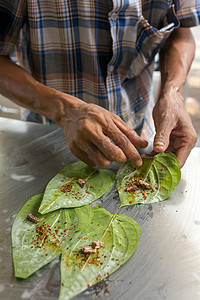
(161,139)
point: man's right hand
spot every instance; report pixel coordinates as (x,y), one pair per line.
(98,137)
(89,128)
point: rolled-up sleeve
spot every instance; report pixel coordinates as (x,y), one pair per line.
(188,12)
(12,18)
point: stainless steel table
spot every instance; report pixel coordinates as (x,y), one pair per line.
(166,263)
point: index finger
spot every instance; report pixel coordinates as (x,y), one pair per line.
(182,155)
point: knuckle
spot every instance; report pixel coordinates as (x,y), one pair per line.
(72,145)
(194,138)
(99,158)
(134,156)
(100,116)
(85,127)
(104,164)
(162,136)
(100,161)
(118,155)
(97,113)
(120,140)
(191,136)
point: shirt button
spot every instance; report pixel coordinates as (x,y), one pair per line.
(114,17)
(110,68)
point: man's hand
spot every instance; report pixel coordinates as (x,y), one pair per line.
(174,129)
(89,128)
(98,137)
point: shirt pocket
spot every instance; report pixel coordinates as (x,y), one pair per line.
(149,41)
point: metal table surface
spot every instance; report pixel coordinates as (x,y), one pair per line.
(166,263)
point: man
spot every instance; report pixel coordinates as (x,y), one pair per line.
(87,65)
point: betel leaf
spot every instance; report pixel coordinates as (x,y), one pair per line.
(154,181)
(35,245)
(63,191)
(120,235)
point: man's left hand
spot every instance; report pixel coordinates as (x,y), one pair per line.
(174,129)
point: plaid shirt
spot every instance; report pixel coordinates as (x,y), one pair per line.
(101,51)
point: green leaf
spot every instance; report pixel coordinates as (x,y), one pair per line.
(32,250)
(120,235)
(162,173)
(97,183)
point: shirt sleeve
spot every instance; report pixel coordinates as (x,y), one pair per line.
(188,12)
(12,18)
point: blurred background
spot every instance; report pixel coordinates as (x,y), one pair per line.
(192,88)
(191,92)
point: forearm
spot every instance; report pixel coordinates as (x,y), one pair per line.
(174,129)
(176,58)
(88,128)
(19,86)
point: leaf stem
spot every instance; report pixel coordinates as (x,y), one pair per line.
(148,170)
(106,230)
(86,178)
(113,217)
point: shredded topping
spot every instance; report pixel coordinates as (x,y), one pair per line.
(89,249)
(137,184)
(82,182)
(92,249)
(67,187)
(32,218)
(97,244)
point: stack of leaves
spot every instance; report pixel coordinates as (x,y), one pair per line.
(64,223)
(67,231)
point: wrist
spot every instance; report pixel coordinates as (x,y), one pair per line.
(65,107)
(54,104)
(172,89)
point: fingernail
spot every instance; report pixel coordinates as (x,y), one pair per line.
(159,144)
(138,163)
